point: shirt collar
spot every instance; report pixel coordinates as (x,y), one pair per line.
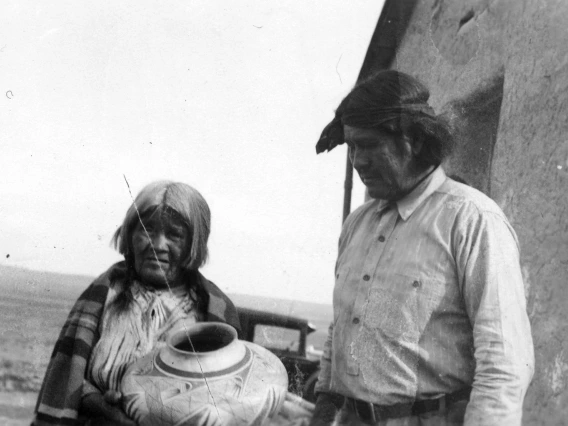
(407,205)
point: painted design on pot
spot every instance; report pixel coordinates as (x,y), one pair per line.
(205,376)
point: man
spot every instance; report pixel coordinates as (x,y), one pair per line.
(430,323)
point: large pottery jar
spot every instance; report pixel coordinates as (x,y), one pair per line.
(205,376)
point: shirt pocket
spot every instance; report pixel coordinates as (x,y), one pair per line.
(402,305)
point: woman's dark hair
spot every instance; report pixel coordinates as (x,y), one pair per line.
(398,103)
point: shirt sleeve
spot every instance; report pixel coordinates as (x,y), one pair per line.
(324,378)
(488,265)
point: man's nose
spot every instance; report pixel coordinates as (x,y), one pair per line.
(359,159)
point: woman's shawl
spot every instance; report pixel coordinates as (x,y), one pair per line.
(60,395)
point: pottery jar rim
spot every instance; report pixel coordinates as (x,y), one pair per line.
(220,359)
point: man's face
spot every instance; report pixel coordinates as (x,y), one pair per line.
(160,249)
(383,160)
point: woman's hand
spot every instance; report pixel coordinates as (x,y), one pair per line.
(105,410)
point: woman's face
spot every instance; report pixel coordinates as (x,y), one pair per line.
(160,248)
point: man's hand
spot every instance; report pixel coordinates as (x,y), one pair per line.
(327,405)
(105,410)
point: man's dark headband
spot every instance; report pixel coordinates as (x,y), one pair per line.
(332,134)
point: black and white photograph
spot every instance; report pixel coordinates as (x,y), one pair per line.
(294,213)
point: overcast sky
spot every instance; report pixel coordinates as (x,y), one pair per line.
(227,96)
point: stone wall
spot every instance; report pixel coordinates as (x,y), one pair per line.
(501,68)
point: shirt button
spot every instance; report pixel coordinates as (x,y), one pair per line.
(355,320)
(416,284)
(382,239)
(366,277)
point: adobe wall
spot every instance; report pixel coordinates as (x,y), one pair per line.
(505,63)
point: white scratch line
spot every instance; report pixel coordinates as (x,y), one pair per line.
(336,69)
(50,32)
(171,292)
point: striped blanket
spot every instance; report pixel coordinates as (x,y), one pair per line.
(60,395)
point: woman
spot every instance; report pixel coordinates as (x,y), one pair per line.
(130,309)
